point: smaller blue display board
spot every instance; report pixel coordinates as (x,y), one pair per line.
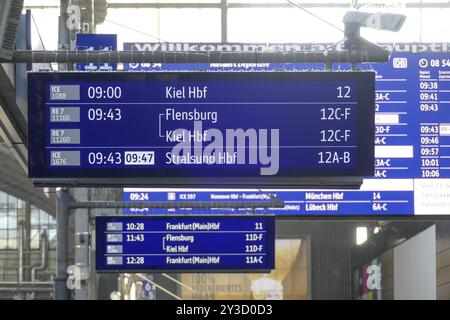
(185,244)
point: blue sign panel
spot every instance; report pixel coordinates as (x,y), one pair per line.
(412,132)
(102,42)
(412,91)
(185,243)
(201,125)
(297,202)
(148,289)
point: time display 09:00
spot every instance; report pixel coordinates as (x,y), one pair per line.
(99,92)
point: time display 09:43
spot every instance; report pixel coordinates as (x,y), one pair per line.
(119,158)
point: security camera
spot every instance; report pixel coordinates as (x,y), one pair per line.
(381,21)
(355,20)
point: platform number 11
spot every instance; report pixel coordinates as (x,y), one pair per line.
(258,226)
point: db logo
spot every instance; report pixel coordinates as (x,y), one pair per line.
(400,63)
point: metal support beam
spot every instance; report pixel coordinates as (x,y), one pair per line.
(63,31)
(329,5)
(25,56)
(62,244)
(13,125)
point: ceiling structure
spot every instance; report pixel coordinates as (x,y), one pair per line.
(14,180)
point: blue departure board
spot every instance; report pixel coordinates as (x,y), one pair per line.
(201,128)
(185,243)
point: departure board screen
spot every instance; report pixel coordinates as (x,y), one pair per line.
(194,125)
(185,243)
